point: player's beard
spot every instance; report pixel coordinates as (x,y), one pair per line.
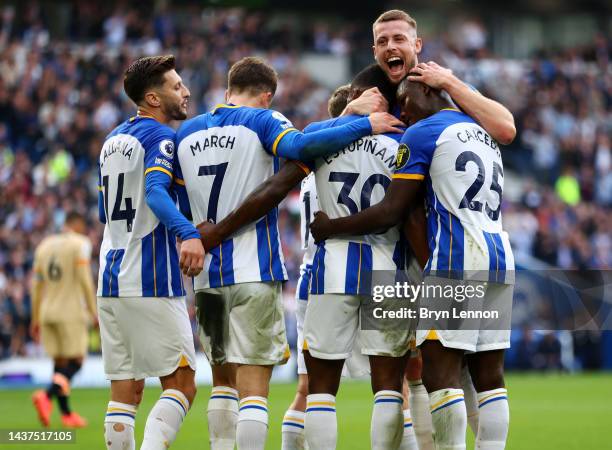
(409,65)
(176,113)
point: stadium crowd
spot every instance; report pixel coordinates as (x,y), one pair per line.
(59,98)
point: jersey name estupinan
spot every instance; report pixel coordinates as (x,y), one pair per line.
(347,182)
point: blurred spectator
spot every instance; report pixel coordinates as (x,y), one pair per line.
(525,350)
(548,353)
(568,188)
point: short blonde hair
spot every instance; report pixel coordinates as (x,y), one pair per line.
(395,14)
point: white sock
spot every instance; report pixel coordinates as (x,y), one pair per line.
(293,430)
(387,420)
(494,420)
(164,420)
(222,417)
(252,428)
(421,415)
(119,426)
(408,438)
(320,425)
(471,402)
(449,419)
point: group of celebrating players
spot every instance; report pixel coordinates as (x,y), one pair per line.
(386,198)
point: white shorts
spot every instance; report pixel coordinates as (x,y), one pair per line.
(332,325)
(144,336)
(479,340)
(300,313)
(243,323)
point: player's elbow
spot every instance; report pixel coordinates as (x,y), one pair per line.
(152,192)
(390,216)
(506,132)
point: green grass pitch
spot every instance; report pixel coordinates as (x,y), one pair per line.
(547,412)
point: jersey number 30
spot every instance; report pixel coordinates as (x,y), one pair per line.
(349,179)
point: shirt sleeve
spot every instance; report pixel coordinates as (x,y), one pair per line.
(181,190)
(84,255)
(271,126)
(159,175)
(316,126)
(159,152)
(158,198)
(415,153)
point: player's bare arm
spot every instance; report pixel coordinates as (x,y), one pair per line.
(383,215)
(495,118)
(265,197)
(415,229)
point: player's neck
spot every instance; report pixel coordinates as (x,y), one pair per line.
(436,105)
(155,114)
(246,100)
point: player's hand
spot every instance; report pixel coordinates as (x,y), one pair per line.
(383,122)
(432,74)
(192,257)
(35,331)
(321,227)
(95,323)
(208,235)
(369,102)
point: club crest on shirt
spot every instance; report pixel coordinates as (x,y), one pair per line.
(285,123)
(403,155)
(166,148)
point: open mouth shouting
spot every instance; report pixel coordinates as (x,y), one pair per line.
(396,67)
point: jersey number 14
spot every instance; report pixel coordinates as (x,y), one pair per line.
(128,213)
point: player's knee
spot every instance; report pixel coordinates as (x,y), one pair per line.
(224,375)
(489,379)
(138,392)
(190,392)
(445,377)
(73,366)
(387,381)
(188,387)
(60,363)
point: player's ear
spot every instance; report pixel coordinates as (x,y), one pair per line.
(418,45)
(152,99)
(267,98)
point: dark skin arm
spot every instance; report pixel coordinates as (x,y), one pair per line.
(383,215)
(265,197)
(415,230)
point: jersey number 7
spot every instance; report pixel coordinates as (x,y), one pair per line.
(213,201)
